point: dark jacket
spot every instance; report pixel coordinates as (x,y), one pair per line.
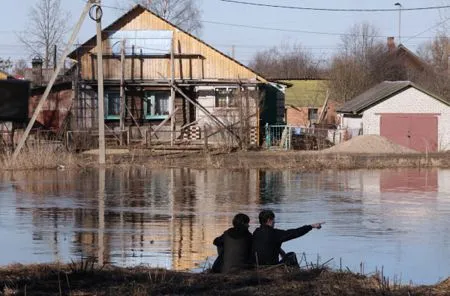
(234,246)
(267,242)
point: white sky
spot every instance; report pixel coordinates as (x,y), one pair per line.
(14,16)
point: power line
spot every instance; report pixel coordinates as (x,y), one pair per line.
(301,31)
(431,28)
(296,31)
(336,9)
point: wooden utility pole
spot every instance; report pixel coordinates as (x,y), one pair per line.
(122,90)
(52,80)
(101,97)
(172,91)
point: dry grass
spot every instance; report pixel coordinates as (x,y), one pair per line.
(62,280)
(42,157)
(38,157)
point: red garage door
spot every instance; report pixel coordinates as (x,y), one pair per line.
(416,131)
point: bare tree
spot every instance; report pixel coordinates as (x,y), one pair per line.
(19,67)
(285,61)
(362,61)
(183,13)
(436,78)
(436,52)
(46,28)
(5,65)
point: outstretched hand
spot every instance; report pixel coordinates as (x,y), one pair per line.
(317,225)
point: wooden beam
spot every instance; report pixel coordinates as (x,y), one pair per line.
(122,88)
(134,120)
(234,124)
(324,111)
(172,91)
(164,122)
(205,111)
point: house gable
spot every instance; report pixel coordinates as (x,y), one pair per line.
(194,59)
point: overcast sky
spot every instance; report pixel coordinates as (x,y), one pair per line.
(324,27)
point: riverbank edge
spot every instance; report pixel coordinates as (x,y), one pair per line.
(225,159)
(85,278)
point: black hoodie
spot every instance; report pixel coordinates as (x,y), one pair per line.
(267,242)
(235,245)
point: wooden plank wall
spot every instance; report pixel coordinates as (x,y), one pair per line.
(214,65)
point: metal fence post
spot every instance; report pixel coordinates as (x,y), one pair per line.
(268,144)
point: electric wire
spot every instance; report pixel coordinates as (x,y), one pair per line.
(336,9)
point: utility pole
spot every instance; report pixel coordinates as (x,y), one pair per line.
(399,22)
(100,91)
(122,89)
(75,32)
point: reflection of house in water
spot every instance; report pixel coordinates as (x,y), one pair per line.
(195,206)
(166,217)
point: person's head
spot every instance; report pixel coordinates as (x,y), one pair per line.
(241,221)
(267,217)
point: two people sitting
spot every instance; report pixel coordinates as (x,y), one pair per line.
(238,249)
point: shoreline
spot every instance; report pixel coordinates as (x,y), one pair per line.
(86,278)
(226,159)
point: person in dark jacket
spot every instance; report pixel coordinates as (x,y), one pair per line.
(267,240)
(234,246)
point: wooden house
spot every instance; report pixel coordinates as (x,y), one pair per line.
(162,83)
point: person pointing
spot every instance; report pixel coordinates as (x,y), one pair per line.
(267,240)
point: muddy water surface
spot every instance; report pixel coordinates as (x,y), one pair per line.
(395,220)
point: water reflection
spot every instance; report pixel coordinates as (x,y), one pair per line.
(169,218)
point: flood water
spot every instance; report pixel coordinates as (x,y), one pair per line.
(395,220)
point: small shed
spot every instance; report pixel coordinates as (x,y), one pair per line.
(305,99)
(403,112)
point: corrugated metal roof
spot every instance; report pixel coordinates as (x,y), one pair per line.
(374,95)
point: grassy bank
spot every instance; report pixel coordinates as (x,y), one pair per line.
(90,280)
(42,158)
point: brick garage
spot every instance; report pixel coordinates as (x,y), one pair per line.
(404,113)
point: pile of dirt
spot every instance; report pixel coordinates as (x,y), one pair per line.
(368,144)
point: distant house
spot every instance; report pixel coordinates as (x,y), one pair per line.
(404,57)
(213,94)
(304,102)
(401,111)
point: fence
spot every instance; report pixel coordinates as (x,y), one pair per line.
(302,138)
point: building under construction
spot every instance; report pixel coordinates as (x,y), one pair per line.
(164,85)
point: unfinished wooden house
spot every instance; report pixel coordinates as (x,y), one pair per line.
(164,85)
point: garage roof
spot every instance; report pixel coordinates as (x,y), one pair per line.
(378,94)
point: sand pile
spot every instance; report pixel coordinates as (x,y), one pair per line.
(368,144)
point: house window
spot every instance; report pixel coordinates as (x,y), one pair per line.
(112,105)
(313,114)
(226,97)
(156,104)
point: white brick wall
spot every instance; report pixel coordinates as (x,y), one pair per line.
(410,101)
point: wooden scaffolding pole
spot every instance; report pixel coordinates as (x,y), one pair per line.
(122,90)
(172,91)
(52,80)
